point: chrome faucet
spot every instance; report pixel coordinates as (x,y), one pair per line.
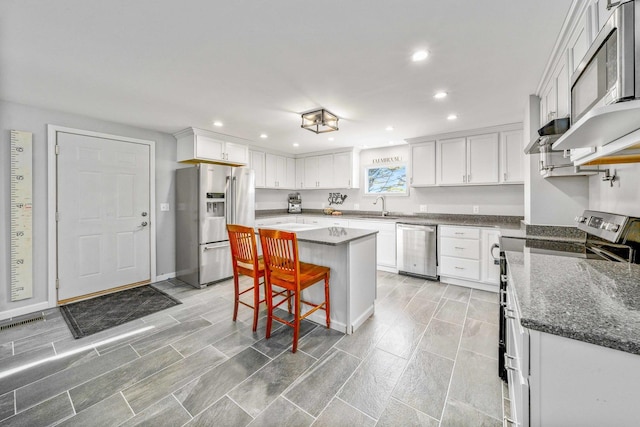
(384,210)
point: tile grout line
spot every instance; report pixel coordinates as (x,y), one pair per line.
(453,370)
(293,403)
(181,405)
(415,351)
(128,406)
(362,412)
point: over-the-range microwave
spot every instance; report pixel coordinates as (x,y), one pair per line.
(610,70)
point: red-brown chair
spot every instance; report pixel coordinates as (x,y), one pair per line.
(284,270)
(246,262)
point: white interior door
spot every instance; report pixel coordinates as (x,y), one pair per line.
(103,227)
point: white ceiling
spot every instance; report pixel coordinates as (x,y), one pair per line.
(256,65)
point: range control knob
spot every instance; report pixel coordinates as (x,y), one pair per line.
(604,226)
(612,227)
(581,219)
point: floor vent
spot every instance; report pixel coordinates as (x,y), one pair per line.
(22,322)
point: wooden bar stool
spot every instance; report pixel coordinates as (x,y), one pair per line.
(284,269)
(245,261)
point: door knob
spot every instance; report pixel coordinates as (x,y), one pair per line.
(144,223)
(144,214)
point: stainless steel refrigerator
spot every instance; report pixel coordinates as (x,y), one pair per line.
(207,198)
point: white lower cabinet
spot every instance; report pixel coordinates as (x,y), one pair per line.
(326,221)
(467,256)
(263,222)
(558,381)
(386,241)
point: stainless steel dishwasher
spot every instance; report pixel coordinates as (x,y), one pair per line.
(417,250)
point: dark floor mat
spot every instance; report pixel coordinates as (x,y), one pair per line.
(106,311)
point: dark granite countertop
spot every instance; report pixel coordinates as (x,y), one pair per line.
(509,226)
(333,236)
(587,300)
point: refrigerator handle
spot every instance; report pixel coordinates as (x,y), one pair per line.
(234,191)
(227,201)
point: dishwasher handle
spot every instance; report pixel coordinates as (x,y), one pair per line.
(427,228)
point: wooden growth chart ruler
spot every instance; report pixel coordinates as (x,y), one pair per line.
(21,215)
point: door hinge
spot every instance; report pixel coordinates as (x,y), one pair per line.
(57,149)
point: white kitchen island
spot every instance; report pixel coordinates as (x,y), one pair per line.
(351,255)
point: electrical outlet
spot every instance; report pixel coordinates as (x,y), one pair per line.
(356,206)
(164,207)
(423,208)
(476,209)
(321,205)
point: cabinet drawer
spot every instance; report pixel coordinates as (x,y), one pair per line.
(460,232)
(461,248)
(458,267)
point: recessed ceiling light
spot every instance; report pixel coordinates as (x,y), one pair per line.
(452,117)
(264,136)
(440,95)
(391,142)
(331,139)
(295,144)
(420,55)
(389,128)
(365,146)
(217,124)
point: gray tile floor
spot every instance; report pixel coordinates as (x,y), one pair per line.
(427,357)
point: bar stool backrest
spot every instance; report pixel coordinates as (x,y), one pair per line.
(244,251)
(280,252)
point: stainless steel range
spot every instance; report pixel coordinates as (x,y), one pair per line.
(610,237)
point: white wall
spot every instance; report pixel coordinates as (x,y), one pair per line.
(549,201)
(35,120)
(623,197)
(491,200)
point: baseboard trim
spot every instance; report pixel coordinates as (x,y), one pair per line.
(9,314)
(165,276)
(363,318)
(469,284)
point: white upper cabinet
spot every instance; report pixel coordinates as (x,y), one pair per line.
(470,160)
(279,171)
(198,145)
(511,157)
(452,161)
(318,171)
(346,170)
(290,176)
(299,174)
(482,159)
(257,163)
(423,164)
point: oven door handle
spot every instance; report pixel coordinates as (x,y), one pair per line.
(495,246)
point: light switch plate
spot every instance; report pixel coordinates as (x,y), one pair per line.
(164,207)
(423,208)
(476,209)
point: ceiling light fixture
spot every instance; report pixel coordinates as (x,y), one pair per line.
(295,144)
(420,55)
(440,95)
(264,136)
(319,121)
(452,117)
(389,128)
(217,124)
(331,139)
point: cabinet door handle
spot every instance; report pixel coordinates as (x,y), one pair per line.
(464,178)
(469,178)
(459,268)
(459,248)
(505,176)
(457,233)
